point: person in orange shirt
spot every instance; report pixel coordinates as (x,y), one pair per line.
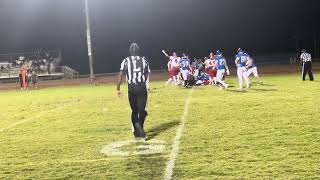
(24,76)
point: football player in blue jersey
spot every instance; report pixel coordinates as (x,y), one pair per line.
(222,68)
(196,67)
(241,59)
(252,68)
(185,68)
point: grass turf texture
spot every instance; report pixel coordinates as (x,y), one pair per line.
(271,131)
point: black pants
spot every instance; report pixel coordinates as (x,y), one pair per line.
(307,67)
(138,96)
(20,80)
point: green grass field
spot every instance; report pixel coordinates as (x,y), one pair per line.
(269,132)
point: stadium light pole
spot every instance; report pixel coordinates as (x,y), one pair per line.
(89,42)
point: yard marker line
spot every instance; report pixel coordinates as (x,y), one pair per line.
(31,118)
(176,142)
(17,123)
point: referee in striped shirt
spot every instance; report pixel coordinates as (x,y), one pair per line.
(136,69)
(306,65)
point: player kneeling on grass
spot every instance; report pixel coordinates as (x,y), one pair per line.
(185,68)
(252,69)
(222,68)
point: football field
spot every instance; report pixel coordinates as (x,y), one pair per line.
(271,131)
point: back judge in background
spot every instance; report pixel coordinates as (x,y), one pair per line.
(136,69)
(306,65)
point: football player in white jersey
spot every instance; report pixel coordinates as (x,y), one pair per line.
(169,66)
(174,66)
(211,69)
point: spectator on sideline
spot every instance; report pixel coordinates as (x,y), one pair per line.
(34,80)
(28,79)
(24,76)
(20,80)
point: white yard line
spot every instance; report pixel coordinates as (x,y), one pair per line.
(176,142)
(19,122)
(32,118)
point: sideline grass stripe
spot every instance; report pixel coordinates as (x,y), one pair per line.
(176,142)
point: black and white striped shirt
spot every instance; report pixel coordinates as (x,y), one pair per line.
(136,68)
(305,57)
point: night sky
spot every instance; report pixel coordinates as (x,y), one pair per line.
(192,26)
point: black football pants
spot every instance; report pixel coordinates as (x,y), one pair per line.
(307,67)
(138,96)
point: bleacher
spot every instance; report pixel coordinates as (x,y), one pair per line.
(47,64)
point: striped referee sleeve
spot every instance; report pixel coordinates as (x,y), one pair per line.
(146,69)
(146,65)
(122,66)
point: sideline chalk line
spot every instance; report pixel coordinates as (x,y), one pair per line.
(176,142)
